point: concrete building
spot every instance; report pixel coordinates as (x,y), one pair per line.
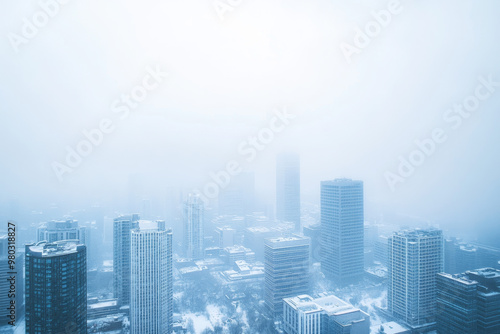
(469,302)
(56,287)
(288,188)
(225,236)
(193,227)
(121,257)
(415,259)
(151,304)
(286,268)
(305,315)
(254,238)
(342,230)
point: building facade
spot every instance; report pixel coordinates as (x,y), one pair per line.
(342,230)
(469,302)
(288,188)
(324,315)
(121,257)
(415,259)
(193,227)
(56,288)
(286,268)
(151,306)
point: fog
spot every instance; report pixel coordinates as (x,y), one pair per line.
(229,74)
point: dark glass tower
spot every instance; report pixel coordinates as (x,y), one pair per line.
(56,288)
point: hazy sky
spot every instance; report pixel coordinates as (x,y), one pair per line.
(225,78)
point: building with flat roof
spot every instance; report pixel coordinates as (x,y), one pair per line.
(469,302)
(305,315)
(342,230)
(151,301)
(286,268)
(415,259)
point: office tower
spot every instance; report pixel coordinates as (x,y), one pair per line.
(342,228)
(459,256)
(121,257)
(61,230)
(5,284)
(286,268)
(56,287)
(237,198)
(288,188)
(382,249)
(314,232)
(193,227)
(468,302)
(151,304)
(255,239)
(415,259)
(305,315)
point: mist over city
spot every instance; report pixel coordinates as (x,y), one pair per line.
(228,166)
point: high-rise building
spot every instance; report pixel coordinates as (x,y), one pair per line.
(468,302)
(56,287)
(342,230)
(237,198)
(286,268)
(121,257)
(225,236)
(151,304)
(288,188)
(61,230)
(193,227)
(305,315)
(415,259)
(314,232)
(5,283)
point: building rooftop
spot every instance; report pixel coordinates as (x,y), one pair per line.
(294,240)
(45,249)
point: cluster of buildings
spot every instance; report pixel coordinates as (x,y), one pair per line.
(432,282)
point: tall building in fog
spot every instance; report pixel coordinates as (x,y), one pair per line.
(286,267)
(288,188)
(56,288)
(193,227)
(61,230)
(5,284)
(238,196)
(469,302)
(121,257)
(342,230)
(151,304)
(415,259)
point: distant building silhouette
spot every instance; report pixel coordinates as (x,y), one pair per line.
(193,227)
(288,188)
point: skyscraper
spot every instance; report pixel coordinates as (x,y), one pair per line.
(193,227)
(238,196)
(342,230)
(469,302)
(288,188)
(56,288)
(151,304)
(286,268)
(61,230)
(415,259)
(121,257)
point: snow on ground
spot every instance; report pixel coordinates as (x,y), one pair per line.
(200,322)
(215,315)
